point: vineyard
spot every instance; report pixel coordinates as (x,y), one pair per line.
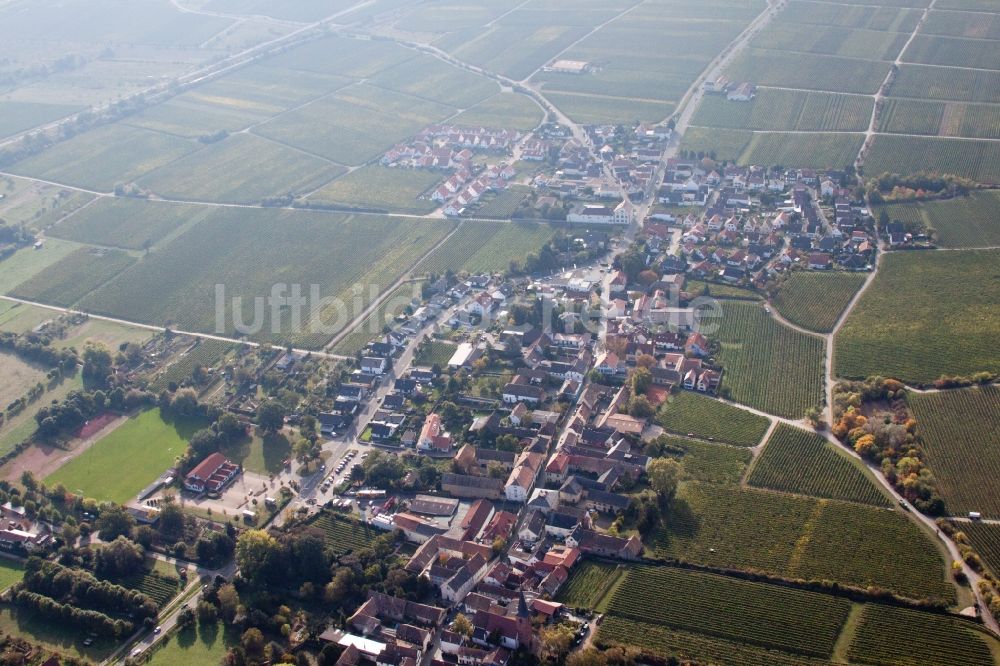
(777,109)
(978,160)
(768,365)
(720,290)
(343,536)
(960,432)
(831,40)
(157,587)
(383,315)
(665,643)
(501,205)
(968,85)
(801,537)
(381,188)
(759,614)
(704,417)
(815,150)
(69,280)
(947,327)
(969,221)
(434,352)
(133,224)
(486,246)
(953,52)
(985,539)
(808,71)
(908,116)
(851,16)
(589,585)
(711,463)
(723,144)
(889,636)
(205,353)
(816,300)
(799,461)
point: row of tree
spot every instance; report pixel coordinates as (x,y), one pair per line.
(83,589)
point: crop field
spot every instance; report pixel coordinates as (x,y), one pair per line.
(711,463)
(341,535)
(721,290)
(372,326)
(597,109)
(926,315)
(962,24)
(343,56)
(178,282)
(74,276)
(808,71)
(429,78)
(502,205)
(159,588)
(131,224)
(801,537)
(206,353)
(688,412)
(191,119)
(380,188)
(355,124)
(831,40)
(487,247)
(507,110)
(722,144)
(970,5)
(665,643)
(968,85)
(768,365)
(36,204)
(960,431)
(18,116)
(893,19)
(963,222)
(102,157)
(231,171)
(973,120)
(146,445)
(910,116)
(28,262)
(258,91)
(589,584)
(305,11)
(434,352)
(774,109)
(985,538)
(799,461)
(467,241)
(767,616)
(953,51)
(816,151)
(890,636)
(816,300)
(516,50)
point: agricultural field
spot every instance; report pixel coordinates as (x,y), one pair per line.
(963,222)
(434,352)
(977,160)
(343,56)
(394,304)
(508,110)
(720,144)
(768,365)
(18,378)
(178,282)
(953,52)
(75,276)
(688,412)
(964,85)
(380,188)
(428,78)
(37,205)
(721,290)
(203,353)
(985,539)
(831,40)
(774,109)
(892,19)
(131,224)
(230,171)
(801,537)
(511,48)
(808,71)
(589,584)
(304,11)
(19,116)
(709,462)
(767,616)
(910,116)
(146,445)
(960,432)
(962,24)
(501,205)
(103,157)
(157,587)
(342,535)
(816,300)
(486,247)
(817,151)
(890,636)
(597,109)
(926,315)
(799,461)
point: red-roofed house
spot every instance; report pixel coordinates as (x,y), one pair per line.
(432,436)
(211,474)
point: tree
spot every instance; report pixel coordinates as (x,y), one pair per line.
(113,522)
(640,407)
(97,363)
(271,415)
(341,587)
(253,641)
(556,640)
(255,550)
(119,559)
(663,475)
(171,523)
(229,602)
(642,378)
(462,625)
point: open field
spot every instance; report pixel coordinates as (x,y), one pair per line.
(500,205)
(830,40)
(774,109)
(486,247)
(801,537)
(596,109)
(429,78)
(759,614)
(817,151)
(132,224)
(355,124)
(514,49)
(18,378)
(768,365)
(75,276)
(722,144)
(37,205)
(507,110)
(146,445)
(18,428)
(18,116)
(62,637)
(105,156)
(343,56)
(380,188)
(711,463)
(231,171)
(985,538)
(28,262)
(816,300)
(263,454)
(970,221)
(960,431)
(721,290)
(206,644)
(177,283)
(927,314)
(889,636)
(342,535)
(978,160)
(589,584)
(688,412)
(969,85)
(808,71)
(799,461)
(11,571)
(893,19)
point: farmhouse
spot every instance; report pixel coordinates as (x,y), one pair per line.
(211,474)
